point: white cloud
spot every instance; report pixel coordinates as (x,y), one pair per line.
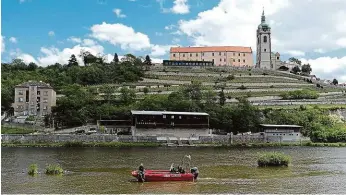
(180,7)
(294,27)
(53,55)
(328,68)
(89,42)
(74,39)
(2,44)
(51,33)
(13,40)
(119,34)
(296,53)
(21,1)
(169,27)
(159,50)
(118,13)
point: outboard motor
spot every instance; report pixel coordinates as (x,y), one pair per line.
(194,171)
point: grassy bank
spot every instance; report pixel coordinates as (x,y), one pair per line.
(16,130)
(149,144)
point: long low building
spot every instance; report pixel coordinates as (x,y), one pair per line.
(282,132)
(166,123)
(219,55)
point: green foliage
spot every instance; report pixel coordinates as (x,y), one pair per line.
(30,118)
(296,69)
(16,130)
(242,87)
(335,82)
(33,169)
(292,59)
(273,159)
(300,94)
(54,170)
(146,90)
(306,68)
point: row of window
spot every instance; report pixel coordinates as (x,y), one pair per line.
(188,63)
(45,100)
(211,54)
(284,134)
(233,60)
(22,107)
(21,92)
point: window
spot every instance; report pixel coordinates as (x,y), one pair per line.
(213,60)
(224,60)
(172,117)
(238,54)
(202,54)
(20,92)
(219,53)
(233,54)
(238,60)
(20,99)
(38,92)
(220,60)
(265,50)
(45,93)
(174,55)
(244,54)
(233,60)
(277,58)
(212,54)
(265,39)
(45,100)
(183,55)
(244,61)
(224,54)
(163,116)
(44,107)
(196,54)
(190,54)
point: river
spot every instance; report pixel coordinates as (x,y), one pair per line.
(107,170)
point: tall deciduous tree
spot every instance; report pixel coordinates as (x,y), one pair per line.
(306,68)
(335,82)
(72,61)
(295,69)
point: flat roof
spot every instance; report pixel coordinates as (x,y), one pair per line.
(137,112)
(270,125)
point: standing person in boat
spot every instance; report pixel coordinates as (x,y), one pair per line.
(141,171)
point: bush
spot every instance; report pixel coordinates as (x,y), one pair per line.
(242,87)
(230,77)
(300,94)
(33,170)
(273,159)
(54,170)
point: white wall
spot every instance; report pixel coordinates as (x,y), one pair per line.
(172,132)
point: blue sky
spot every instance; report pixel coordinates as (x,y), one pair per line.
(49,31)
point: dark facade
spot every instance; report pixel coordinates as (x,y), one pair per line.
(163,119)
(187,63)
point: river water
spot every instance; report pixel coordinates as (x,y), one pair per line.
(107,170)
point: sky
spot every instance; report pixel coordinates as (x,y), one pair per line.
(49,31)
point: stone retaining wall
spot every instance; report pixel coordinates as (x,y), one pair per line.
(54,138)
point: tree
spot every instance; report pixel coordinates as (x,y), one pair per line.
(146,90)
(222,97)
(32,66)
(127,96)
(306,68)
(295,60)
(72,61)
(116,58)
(147,60)
(335,82)
(295,69)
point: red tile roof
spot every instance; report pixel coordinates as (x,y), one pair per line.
(211,49)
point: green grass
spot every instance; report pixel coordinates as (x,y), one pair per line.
(322,106)
(16,130)
(33,170)
(54,170)
(270,159)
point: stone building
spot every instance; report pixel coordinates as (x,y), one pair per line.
(219,55)
(264,50)
(33,98)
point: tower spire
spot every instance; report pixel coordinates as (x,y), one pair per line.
(263,18)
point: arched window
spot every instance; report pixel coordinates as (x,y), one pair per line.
(265,39)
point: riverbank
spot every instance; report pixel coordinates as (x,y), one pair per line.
(148,144)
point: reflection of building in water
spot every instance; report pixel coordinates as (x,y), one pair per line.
(181,124)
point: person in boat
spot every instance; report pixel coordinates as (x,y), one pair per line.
(181,170)
(172,169)
(141,167)
(141,172)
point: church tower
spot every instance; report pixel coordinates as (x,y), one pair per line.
(263,57)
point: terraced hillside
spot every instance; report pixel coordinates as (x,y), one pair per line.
(261,87)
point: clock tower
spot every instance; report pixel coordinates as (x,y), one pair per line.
(263,57)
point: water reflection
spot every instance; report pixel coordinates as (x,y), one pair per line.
(107,170)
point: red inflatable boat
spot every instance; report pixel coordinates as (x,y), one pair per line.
(165,175)
(143,175)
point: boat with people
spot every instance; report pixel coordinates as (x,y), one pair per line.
(173,174)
